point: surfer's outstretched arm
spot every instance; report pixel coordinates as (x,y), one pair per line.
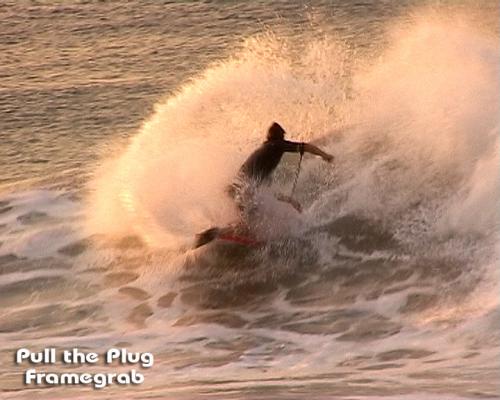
(310,148)
(302,147)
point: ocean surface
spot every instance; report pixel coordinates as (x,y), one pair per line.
(121,123)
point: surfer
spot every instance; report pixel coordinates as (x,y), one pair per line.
(257,170)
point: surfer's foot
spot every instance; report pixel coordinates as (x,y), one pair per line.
(206,237)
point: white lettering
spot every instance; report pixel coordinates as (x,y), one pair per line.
(136,377)
(29,375)
(112,354)
(123,379)
(147,360)
(85,379)
(99,381)
(69,379)
(22,354)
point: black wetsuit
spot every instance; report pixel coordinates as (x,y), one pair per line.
(266,158)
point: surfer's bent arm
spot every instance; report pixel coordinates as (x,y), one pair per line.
(310,148)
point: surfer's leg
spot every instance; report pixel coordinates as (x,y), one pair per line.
(238,192)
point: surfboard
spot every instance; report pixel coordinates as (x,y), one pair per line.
(226,236)
(238,239)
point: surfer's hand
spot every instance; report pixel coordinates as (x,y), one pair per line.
(328,158)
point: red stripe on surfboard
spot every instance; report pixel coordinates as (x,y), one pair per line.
(239,240)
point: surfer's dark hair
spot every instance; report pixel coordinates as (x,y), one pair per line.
(275,132)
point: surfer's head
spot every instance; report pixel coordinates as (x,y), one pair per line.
(275,132)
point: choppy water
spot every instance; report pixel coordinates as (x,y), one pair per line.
(121,123)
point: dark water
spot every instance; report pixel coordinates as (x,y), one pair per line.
(121,122)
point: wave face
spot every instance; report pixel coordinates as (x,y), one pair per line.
(386,284)
(415,133)
(392,264)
